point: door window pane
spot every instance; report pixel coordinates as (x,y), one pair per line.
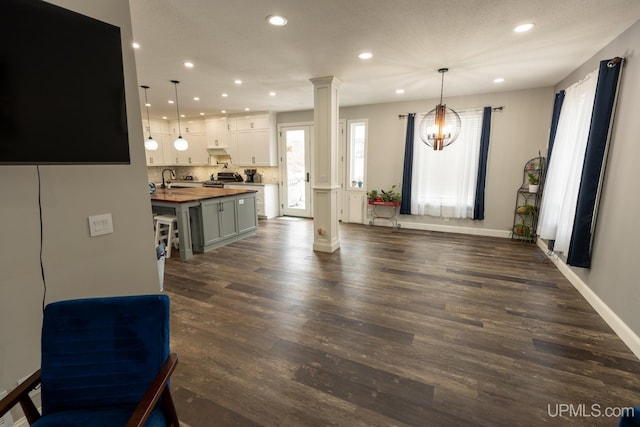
(296,169)
(357,153)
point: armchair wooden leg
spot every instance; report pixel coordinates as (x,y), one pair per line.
(30,410)
(169,407)
(21,395)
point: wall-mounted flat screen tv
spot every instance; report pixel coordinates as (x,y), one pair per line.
(62,98)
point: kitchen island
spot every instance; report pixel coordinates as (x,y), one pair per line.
(208,217)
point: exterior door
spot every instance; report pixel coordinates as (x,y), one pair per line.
(296,162)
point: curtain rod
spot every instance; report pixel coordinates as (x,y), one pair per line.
(613,62)
(500,108)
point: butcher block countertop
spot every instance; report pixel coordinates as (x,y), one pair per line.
(186,195)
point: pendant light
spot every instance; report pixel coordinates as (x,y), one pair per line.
(180,144)
(150,144)
(441,126)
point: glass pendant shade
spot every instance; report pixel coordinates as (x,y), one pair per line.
(181,144)
(441,126)
(151,144)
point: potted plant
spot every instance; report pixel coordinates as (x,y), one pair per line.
(391,195)
(373,196)
(534,182)
(522,230)
(527,210)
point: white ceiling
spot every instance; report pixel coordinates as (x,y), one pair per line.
(410,40)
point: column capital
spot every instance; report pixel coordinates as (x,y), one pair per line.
(327,80)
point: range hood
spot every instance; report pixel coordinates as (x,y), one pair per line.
(218,150)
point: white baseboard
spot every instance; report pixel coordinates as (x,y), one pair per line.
(626,334)
(454,229)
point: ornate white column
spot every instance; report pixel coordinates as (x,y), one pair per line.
(325,158)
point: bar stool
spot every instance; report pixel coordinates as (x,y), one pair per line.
(167,229)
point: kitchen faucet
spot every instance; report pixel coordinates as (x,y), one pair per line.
(173,175)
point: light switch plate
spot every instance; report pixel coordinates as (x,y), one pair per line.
(100,224)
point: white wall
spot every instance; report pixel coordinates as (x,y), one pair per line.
(613,275)
(75,264)
(517,134)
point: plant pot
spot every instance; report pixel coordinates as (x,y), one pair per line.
(533,188)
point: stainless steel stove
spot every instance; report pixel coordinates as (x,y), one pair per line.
(222,178)
(213,184)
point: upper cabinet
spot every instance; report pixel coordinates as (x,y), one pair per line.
(193,131)
(252,140)
(217,132)
(160,132)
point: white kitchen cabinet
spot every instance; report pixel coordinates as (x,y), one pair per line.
(217,132)
(253,142)
(155,157)
(266,198)
(159,132)
(194,126)
(196,154)
(244,148)
(265,152)
(256,121)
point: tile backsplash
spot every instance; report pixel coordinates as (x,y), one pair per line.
(270,175)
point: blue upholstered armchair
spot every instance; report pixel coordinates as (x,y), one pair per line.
(105,362)
(631,420)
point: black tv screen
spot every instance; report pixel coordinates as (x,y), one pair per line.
(62,98)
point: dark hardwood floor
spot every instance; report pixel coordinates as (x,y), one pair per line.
(396,328)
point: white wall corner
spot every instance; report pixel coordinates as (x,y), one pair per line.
(626,334)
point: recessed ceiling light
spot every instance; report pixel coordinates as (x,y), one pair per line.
(224,95)
(223,111)
(188,64)
(135,45)
(238,81)
(277,20)
(202,114)
(164,117)
(498,80)
(524,27)
(182,115)
(365,55)
(147,105)
(196,98)
(272,94)
(399,91)
(170,101)
(247,109)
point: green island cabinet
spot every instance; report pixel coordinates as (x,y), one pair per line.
(220,221)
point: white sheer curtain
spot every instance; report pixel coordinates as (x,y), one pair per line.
(558,209)
(444,182)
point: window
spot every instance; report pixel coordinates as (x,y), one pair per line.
(558,210)
(444,182)
(357,153)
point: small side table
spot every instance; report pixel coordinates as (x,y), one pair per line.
(391,210)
